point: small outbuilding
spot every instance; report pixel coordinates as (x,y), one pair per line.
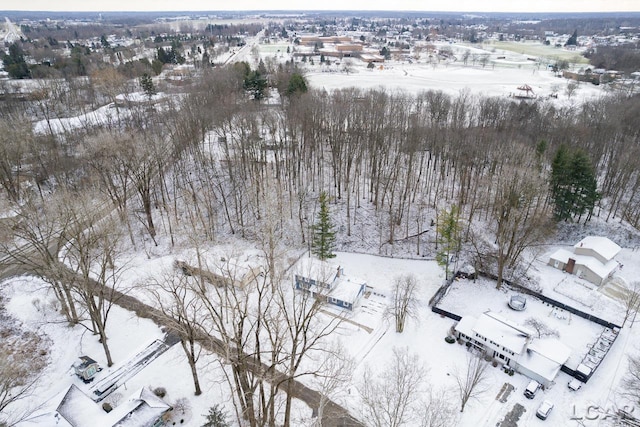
(86,368)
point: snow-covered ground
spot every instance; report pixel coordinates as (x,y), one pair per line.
(367,336)
(454,78)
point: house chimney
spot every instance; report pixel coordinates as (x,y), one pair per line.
(339,273)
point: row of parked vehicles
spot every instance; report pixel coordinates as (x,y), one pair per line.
(546,406)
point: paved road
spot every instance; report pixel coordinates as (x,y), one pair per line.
(334,415)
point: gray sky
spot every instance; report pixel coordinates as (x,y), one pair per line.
(412,5)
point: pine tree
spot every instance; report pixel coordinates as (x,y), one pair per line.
(216,417)
(256,84)
(297,84)
(147,85)
(448,239)
(573,40)
(15,64)
(574,187)
(585,187)
(323,232)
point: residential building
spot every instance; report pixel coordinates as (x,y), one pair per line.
(592,259)
(323,280)
(513,345)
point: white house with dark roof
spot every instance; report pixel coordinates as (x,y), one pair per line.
(514,345)
(592,259)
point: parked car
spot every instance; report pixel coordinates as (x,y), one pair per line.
(532,389)
(574,384)
(544,410)
(518,302)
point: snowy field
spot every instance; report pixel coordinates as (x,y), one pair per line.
(454,78)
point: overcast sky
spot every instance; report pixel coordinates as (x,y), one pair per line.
(409,5)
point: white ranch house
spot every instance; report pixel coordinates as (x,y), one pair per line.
(592,259)
(513,345)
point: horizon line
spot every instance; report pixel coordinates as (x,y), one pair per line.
(319,11)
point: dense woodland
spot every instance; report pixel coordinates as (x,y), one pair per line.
(400,156)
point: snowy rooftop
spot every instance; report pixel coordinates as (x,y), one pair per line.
(78,409)
(551,348)
(343,287)
(312,268)
(499,330)
(346,288)
(535,362)
(593,264)
(602,245)
(141,409)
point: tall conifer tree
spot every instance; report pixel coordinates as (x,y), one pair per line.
(324,236)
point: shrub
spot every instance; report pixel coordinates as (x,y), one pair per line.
(161,392)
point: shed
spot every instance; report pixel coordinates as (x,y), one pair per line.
(86,368)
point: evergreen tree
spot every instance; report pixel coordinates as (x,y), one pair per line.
(104,42)
(147,85)
(448,239)
(585,186)
(573,40)
(574,187)
(15,64)
(297,84)
(323,232)
(255,84)
(216,417)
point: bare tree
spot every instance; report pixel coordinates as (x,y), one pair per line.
(471,379)
(521,216)
(15,134)
(93,251)
(571,89)
(438,409)
(389,397)
(631,300)
(334,373)
(176,295)
(305,336)
(631,381)
(38,233)
(404,303)
(541,328)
